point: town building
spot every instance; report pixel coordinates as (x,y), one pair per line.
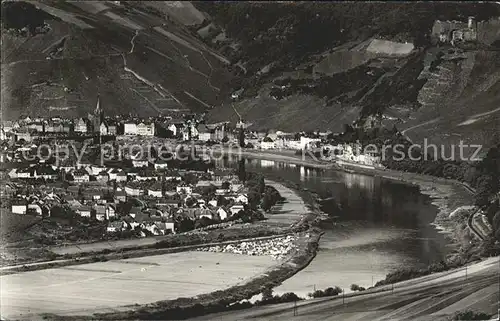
(160,164)
(146,129)
(133,189)
(84,211)
(130,129)
(222,213)
(184,189)
(236,208)
(116,226)
(103,129)
(121,177)
(267,143)
(204,134)
(36,126)
(81,176)
(308,142)
(155,190)
(455,32)
(140,163)
(81,126)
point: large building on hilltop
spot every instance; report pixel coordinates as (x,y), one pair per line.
(455,32)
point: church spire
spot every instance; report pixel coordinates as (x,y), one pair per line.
(97,111)
(98,117)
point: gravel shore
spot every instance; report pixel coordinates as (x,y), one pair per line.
(277,248)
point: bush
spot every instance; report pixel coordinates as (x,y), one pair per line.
(355,287)
(333,291)
(268,298)
(327,292)
(99,258)
(471,315)
(267,294)
(290,297)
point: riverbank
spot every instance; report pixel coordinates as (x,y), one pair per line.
(446,194)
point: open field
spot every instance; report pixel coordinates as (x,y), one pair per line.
(81,289)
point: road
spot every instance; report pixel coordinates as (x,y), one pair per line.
(470,224)
(433,297)
(471,217)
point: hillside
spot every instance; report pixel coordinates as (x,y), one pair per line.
(56,57)
(295,65)
(317,66)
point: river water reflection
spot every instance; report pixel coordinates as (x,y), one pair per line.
(387,226)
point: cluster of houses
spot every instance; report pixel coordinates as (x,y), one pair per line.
(159,197)
(349,153)
(282,140)
(97,123)
(345,153)
(29,129)
(79,126)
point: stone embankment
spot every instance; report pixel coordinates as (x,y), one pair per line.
(277,248)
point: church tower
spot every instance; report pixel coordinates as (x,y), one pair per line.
(98,116)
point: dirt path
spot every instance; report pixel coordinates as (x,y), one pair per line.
(403,132)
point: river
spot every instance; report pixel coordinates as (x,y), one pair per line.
(383,225)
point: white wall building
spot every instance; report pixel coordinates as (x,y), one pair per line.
(154,193)
(84,211)
(242,198)
(22,209)
(160,165)
(222,213)
(307,142)
(81,126)
(236,208)
(140,163)
(130,129)
(19,209)
(81,178)
(146,129)
(97,169)
(184,189)
(133,191)
(268,143)
(173,129)
(103,129)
